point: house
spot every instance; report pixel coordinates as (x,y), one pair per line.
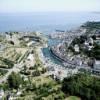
(19,93)
(86,43)
(26,39)
(97,65)
(10,97)
(90,40)
(12,37)
(30,57)
(58,75)
(98,37)
(90,47)
(8,37)
(38,33)
(2,47)
(97,32)
(76,48)
(25,78)
(1,94)
(31,43)
(79,62)
(89,44)
(30,61)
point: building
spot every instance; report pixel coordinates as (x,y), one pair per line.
(90,40)
(76,48)
(1,94)
(96,68)
(8,37)
(31,43)
(30,61)
(97,65)
(30,57)
(2,47)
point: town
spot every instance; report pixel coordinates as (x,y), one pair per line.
(79,50)
(25,73)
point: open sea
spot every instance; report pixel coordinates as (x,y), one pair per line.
(46,22)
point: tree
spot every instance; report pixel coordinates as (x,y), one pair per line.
(95,52)
(94,37)
(14,80)
(83,85)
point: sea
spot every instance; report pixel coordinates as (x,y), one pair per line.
(45,22)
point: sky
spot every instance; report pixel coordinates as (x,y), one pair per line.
(49,5)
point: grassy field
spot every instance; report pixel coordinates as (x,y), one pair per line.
(45,88)
(13,54)
(73,98)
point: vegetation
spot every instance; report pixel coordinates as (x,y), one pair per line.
(73,98)
(95,52)
(35,85)
(4,86)
(5,63)
(2,38)
(82,85)
(3,72)
(8,62)
(43,88)
(79,40)
(24,56)
(92,25)
(14,80)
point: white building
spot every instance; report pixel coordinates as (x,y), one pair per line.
(8,37)
(1,94)
(30,60)
(2,47)
(86,43)
(97,65)
(31,43)
(90,48)
(76,48)
(30,57)
(90,40)
(19,93)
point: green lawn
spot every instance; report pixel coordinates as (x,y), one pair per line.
(73,98)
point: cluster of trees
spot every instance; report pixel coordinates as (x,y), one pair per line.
(8,62)
(14,80)
(2,72)
(46,91)
(95,52)
(79,40)
(35,70)
(92,25)
(82,85)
